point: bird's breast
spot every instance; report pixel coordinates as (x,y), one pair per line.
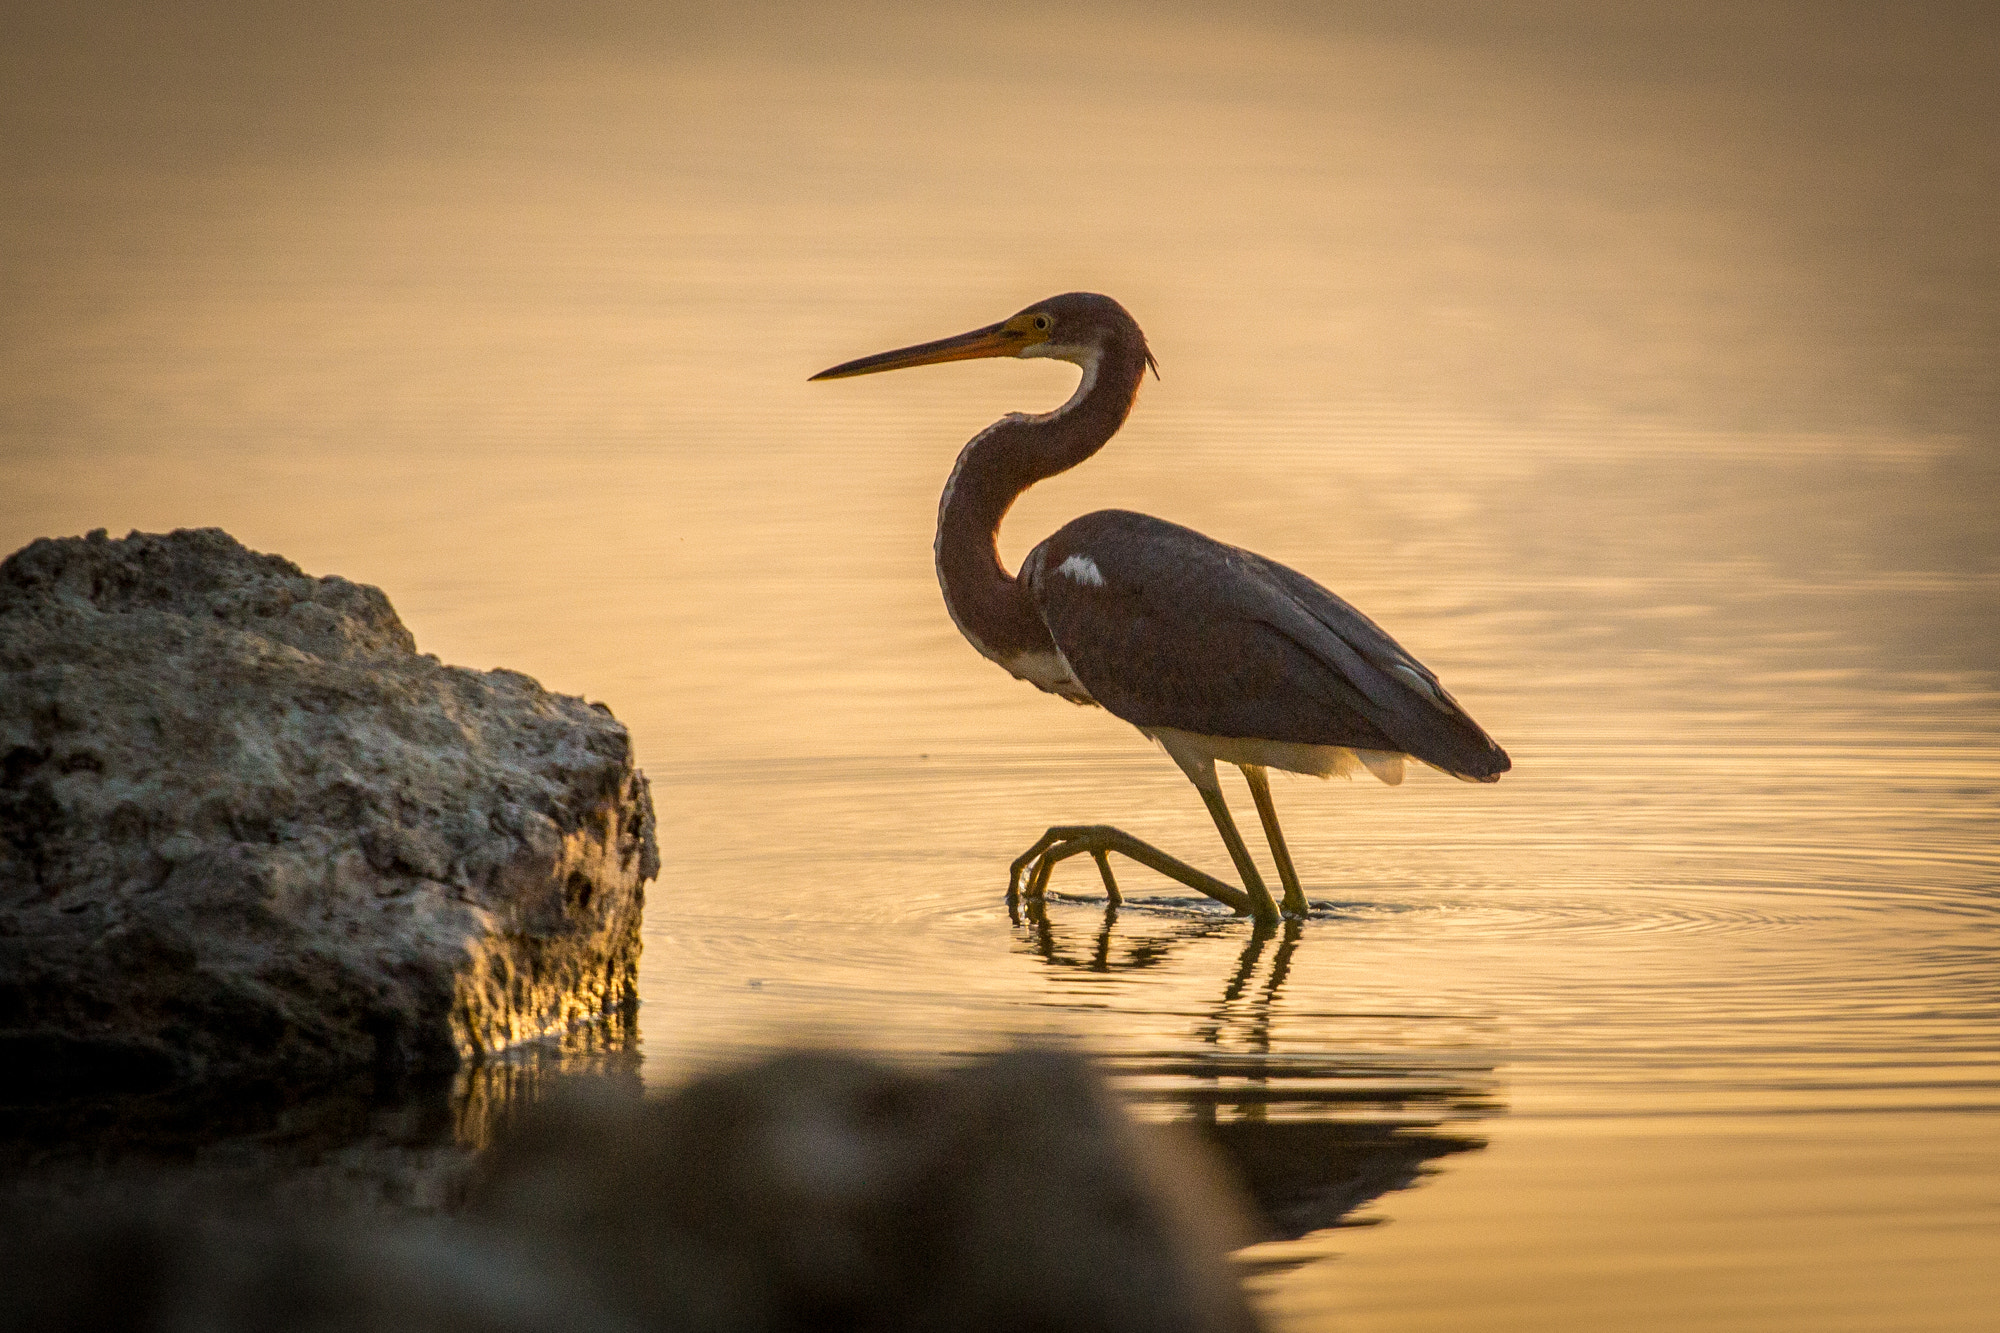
(1048,671)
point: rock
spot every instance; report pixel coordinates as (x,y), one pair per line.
(820,1190)
(247,831)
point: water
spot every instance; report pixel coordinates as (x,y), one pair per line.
(1635,373)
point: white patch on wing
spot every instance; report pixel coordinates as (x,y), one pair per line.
(1083,569)
(1319,761)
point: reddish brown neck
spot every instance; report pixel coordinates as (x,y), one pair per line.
(988,604)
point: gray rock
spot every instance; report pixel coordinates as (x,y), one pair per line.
(245,829)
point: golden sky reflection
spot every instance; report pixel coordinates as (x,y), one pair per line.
(1635,370)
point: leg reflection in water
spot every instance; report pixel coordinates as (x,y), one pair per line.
(1314,1115)
(1140,952)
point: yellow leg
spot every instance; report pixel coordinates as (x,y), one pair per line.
(1029,875)
(1261,906)
(1260,792)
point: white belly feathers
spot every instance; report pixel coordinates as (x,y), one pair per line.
(1048,671)
(1195,752)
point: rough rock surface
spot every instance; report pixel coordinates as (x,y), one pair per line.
(246,829)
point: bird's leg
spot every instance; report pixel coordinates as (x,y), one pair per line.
(1261,905)
(1029,875)
(1111,894)
(1260,791)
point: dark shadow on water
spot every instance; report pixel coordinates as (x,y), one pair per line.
(1313,1133)
(365,1144)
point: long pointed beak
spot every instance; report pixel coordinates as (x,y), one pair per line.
(993,340)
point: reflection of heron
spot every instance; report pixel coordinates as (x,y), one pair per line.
(1314,1130)
(1212,651)
(1141,952)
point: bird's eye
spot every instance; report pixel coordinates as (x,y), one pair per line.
(1042,323)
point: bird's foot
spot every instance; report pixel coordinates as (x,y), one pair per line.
(1029,875)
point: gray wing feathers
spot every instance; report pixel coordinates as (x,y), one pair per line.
(1176,629)
(1416,710)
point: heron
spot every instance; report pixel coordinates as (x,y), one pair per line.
(1214,652)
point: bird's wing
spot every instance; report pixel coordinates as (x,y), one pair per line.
(1168,628)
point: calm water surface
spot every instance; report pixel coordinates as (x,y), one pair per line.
(1638,378)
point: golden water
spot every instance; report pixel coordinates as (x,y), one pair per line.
(1638,374)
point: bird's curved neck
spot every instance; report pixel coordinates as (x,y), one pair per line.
(995,467)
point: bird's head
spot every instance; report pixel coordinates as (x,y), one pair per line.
(1079,327)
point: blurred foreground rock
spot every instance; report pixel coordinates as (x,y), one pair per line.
(821,1191)
(247,831)
(809,1192)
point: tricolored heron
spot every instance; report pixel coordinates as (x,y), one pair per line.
(1212,651)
